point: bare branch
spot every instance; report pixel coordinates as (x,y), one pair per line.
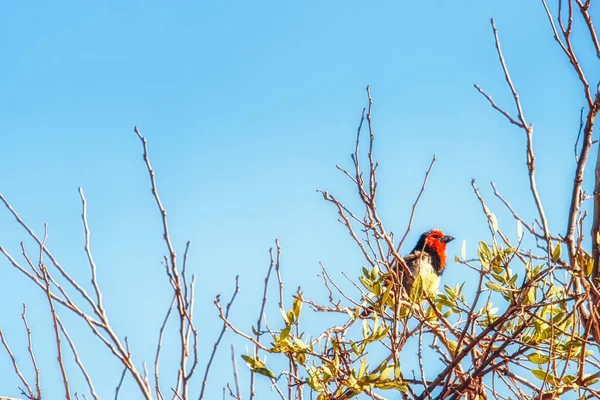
(16,366)
(216,345)
(414,207)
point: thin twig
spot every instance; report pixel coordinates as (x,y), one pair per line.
(161,332)
(414,207)
(216,345)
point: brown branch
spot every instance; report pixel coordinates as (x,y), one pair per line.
(16,367)
(522,123)
(235,374)
(176,281)
(260,317)
(216,345)
(161,332)
(78,361)
(55,262)
(584,10)
(88,252)
(414,207)
(38,388)
(59,357)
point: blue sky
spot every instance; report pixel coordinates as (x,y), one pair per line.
(248,107)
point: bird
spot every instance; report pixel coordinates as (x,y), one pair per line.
(427,262)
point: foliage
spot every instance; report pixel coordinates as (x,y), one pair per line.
(529,329)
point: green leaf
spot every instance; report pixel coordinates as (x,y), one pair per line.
(588,266)
(452,345)
(538,373)
(494,222)
(538,358)
(297,306)
(366,329)
(416,291)
(485,254)
(367,283)
(530,296)
(363,368)
(556,253)
(285,317)
(285,332)
(266,372)
(375,272)
(386,295)
(386,372)
(494,286)
(249,360)
(291,316)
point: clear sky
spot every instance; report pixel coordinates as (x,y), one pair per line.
(248,106)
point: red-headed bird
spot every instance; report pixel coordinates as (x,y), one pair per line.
(428,260)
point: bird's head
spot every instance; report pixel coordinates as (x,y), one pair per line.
(433,242)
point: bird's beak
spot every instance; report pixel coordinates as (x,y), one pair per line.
(446,239)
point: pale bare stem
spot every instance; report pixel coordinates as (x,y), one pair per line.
(78,361)
(326,283)
(59,357)
(190,312)
(231,394)
(176,279)
(260,318)
(516,216)
(584,9)
(414,207)
(176,395)
(342,211)
(420,356)
(472,315)
(66,303)
(88,252)
(236,378)
(233,328)
(567,48)
(596,216)
(372,164)
(183,270)
(161,333)
(56,334)
(29,262)
(578,135)
(498,108)
(118,388)
(278,272)
(529,135)
(29,393)
(327,277)
(277,389)
(55,262)
(38,388)
(113,342)
(216,345)
(163,212)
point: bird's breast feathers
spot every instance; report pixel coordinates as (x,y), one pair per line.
(431,280)
(420,263)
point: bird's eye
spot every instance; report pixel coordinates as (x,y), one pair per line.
(436,234)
